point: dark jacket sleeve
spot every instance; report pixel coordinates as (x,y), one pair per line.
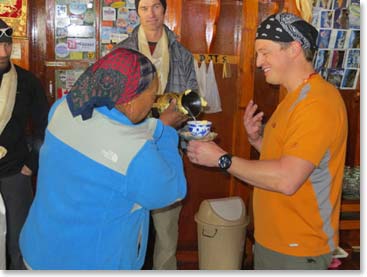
(38,121)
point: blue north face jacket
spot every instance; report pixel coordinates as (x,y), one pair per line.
(98,179)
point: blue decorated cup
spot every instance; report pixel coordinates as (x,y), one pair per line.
(199,128)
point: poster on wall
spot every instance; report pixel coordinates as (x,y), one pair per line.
(118,19)
(14,13)
(75,35)
(338,56)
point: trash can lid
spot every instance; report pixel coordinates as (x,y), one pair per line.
(227,211)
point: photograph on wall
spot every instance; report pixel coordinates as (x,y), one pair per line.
(325,4)
(352,59)
(338,39)
(323,38)
(338,23)
(335,76)
(354,39)
(315,21)
(349,80)
(322,59)
(341,19)
(338,4)
(354,14)
(326,18)
(337,59)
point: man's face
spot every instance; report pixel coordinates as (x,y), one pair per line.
(272,59)
(151,14)
(5,52)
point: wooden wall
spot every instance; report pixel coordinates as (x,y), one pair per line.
(206,183)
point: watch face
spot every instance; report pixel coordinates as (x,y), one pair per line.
(225,161)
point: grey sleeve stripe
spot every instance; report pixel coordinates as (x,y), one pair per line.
(321,182)
(301,96)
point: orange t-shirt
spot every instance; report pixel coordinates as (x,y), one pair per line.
(311,124)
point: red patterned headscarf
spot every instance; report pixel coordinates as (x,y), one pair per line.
(114,79)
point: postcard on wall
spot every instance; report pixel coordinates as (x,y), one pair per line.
(350,78)
(352,59)
(325,4)
(338,39)
(323,38)
(326,18)
(315,21)
(341,19)
(323,72)
(336,4)
(354,14)
(354,39)
(335,76)
(322,60)
(337,59)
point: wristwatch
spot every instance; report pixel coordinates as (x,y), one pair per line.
(225,161)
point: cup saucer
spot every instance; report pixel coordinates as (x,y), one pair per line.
(186,135)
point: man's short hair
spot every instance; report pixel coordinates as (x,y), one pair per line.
(163,2)
(308,53)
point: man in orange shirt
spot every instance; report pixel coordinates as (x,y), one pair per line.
(298,179)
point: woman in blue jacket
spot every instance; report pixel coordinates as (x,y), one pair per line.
(103,166)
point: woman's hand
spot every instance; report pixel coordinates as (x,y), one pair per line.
(172,117)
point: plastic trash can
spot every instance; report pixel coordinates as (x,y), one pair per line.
(221,228)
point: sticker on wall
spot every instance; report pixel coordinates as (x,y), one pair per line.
(117,5)
(108,14)
(61,10)
(62,22)
(81,45)
(62,50)
(84,31)
(119,18)
(76,19)
(74,23)
(77,8)
(130,4)
(106,34)
(61,32)
(89,17)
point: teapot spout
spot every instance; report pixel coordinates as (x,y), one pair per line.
(192,101)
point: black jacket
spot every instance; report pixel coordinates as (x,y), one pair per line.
(24,133)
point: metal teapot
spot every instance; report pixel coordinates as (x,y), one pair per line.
(188,102)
